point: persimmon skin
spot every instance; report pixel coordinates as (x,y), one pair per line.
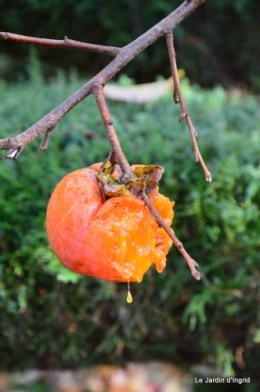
(115,240)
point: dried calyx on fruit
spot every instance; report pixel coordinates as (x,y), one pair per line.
(100,227)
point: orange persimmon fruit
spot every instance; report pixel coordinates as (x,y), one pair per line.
(116,239)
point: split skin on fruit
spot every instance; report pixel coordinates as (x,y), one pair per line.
(116,239)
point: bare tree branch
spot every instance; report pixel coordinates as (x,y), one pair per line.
(65,43)
(111,133)
(193,265)
(95,86)
(125,55)
(178,98)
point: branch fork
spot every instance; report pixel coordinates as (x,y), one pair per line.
(95,86)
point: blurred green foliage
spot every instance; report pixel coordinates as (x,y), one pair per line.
(217,44)
(53,318)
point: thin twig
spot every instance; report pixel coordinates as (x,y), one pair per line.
(45,140)
(178,98)
(65,43)
(191,263)
(111,133)
(15,145)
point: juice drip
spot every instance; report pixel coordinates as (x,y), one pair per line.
(129,297)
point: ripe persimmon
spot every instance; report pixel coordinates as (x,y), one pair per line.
(115,239)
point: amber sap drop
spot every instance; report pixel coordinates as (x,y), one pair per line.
(129,297)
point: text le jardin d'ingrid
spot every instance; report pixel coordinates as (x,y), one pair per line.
(222,380)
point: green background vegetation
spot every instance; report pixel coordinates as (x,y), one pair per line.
(52,318)
(217,44)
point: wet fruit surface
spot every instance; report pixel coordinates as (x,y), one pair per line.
(116,239)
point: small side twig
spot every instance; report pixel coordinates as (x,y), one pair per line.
(65,43)
(193,265)
(46,138)
(178,98)
(112,136)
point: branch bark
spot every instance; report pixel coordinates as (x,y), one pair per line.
(123,56)
(178,98)
(193,265)
(111,133)
(16,144)
(65,43)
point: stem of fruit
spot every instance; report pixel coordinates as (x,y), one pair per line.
(112,136)
(178,98)
(193,265)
